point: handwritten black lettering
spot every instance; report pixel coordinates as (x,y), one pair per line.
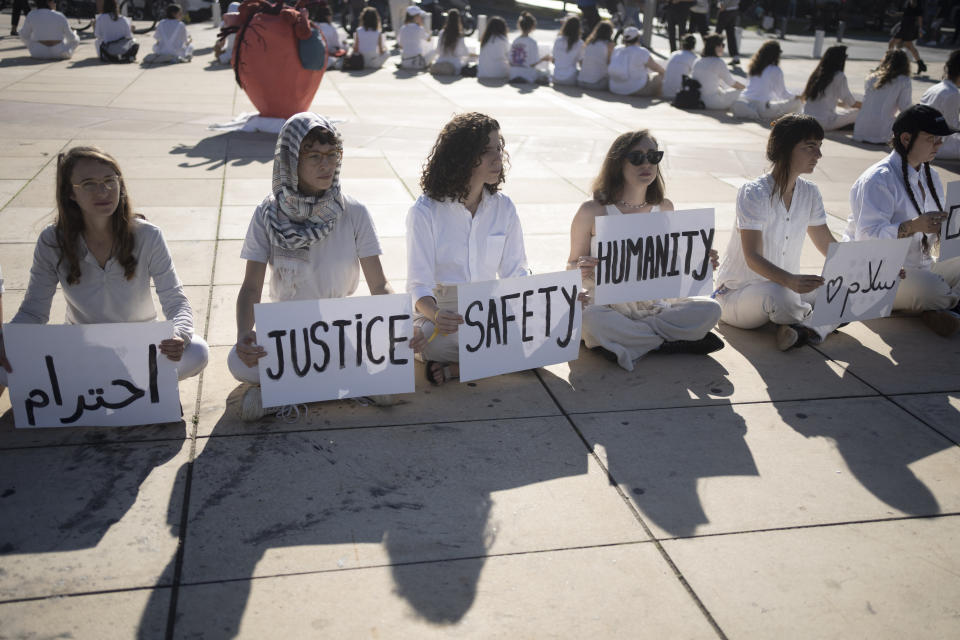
(689,235)
(294,360)
(152,374)
(707,244)
(524,336)
(571,299)
(547,291)
(317,340)
(54,383)
(342,325)
(369,340)
(36,399)
(675,236)
(470,322)
(277,334)
(492,322)
(394,340)
(505,315)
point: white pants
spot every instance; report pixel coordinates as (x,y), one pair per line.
(950,149)
(756,304)
(631,333)
(936,289)
(602,84)
(765,111)
(194,359)
(722,100)
(375,60)
(842,118)
(60,51)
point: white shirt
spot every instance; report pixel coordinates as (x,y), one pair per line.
(106,29)
(172,39)
(565,60)
(370,42)
(713,75)
(628,69)
(680,64)
(330,36)
(455,57)
(524,52)
(783,231)
(447,245)
(880,108)
(767,86)
(879,202)
(104,294)
(493,61)
(44,24)
(593,65)
(824,108)
(945,98)
(413,40)
(331,267)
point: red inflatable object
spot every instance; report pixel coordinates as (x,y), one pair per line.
(266,59)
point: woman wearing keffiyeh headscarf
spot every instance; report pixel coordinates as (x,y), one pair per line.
(315,238)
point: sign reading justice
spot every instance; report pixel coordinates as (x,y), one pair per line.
(333,349)
(648,256)
(518,323)
(108,375)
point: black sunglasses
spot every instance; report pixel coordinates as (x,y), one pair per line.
(636,158)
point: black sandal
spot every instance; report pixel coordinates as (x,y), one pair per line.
(444,371)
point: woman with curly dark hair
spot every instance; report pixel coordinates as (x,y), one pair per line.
(462,229)
(630,183)
(887,91)
(827,96)
(766,97)
(103,257)
(368,40)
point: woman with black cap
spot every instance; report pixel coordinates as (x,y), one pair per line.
(900,197)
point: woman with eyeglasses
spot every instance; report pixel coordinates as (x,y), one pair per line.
(630,183)
(760,280)
(104,256)
(315,238)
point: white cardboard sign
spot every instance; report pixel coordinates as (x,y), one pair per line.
(335,348)
(82,375)
(950,232)
(518,323)
(649,256)
(860,281)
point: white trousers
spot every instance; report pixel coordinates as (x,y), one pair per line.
(757,304)
(60,51)
(375,60)
(721,100)
(630,334)
(842,118)
(764,111)
(602,84)
(936,289)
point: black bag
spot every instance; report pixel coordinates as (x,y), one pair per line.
(689,96)
(468,71)
(353,62)
(119,50)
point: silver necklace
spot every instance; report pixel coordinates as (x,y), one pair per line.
(631,205)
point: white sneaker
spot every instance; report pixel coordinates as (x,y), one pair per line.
(251,406)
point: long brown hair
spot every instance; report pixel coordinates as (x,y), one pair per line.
(608,186)
(766,55)
(452,32)
(571,31)
(895,63)
(833,60)
(787,132)
(455,155)
(69,224)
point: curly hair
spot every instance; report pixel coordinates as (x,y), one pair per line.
(833,60)
(608,186)
(69,224)
(766,55)
(456,153)
(895,63)
(787,132)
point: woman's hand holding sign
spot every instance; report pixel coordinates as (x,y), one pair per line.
(248,349)
(802,283)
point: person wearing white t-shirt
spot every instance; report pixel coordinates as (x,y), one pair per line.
(567,52)
(765,98)
(368,40)
(315,238)
(718,88)
(901,197)
(827,96)
(630,68)
(452,51)
(322,18)
(887,91)
(462,229)
(945,98)
(596,57)
(759,280)
(494,62)
(414,41)
(110,25)
(525,58)
(47,34)
(173,42)
(678,65)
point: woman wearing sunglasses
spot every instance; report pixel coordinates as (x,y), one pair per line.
(103,256)
(760,279)
(630,184)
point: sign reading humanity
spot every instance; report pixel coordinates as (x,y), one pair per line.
(518,323)
(81,375)
(950,233)
(860,281)
(335,348)
(648,256)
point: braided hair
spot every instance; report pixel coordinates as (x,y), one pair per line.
(904,151)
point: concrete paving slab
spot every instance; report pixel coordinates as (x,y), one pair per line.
(181,223)
(24,224)
(879,579)
(939,410)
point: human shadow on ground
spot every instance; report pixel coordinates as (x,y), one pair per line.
(878,455)
(87,62)
(24,61)
(422,494)
(234,147)
(658,456)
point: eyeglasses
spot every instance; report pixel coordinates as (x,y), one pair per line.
(92,185)
(636,158)
(321,156)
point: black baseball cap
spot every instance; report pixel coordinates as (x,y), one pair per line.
(921,117)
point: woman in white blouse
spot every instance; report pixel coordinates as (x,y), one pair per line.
(766,97)
(567,52)
(887,91)
(110,25)
(718,89)
(452,51)
(415,50)
(900,197)
(632,70)
(678,65)
(173,42)
(945,98)
(596,57)
(827,96)
(630,183)
(103,257)
(760,279)
(494,63)
(368,40)
(462,229)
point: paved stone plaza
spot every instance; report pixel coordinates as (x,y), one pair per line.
(751,494)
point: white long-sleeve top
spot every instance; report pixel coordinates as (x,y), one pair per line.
(824,108)
(945,98)
(413,40)
(767,86)
(879,203)
(880,109)
(680,64)
(628,69)
(104,294)
(172,39)
(494,61)
(713,75)
(106,29)
(45,24)
(593,64)
(448,245)
(456,57)
(565,59)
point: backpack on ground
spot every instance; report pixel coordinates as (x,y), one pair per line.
(689,95)
(119,50)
